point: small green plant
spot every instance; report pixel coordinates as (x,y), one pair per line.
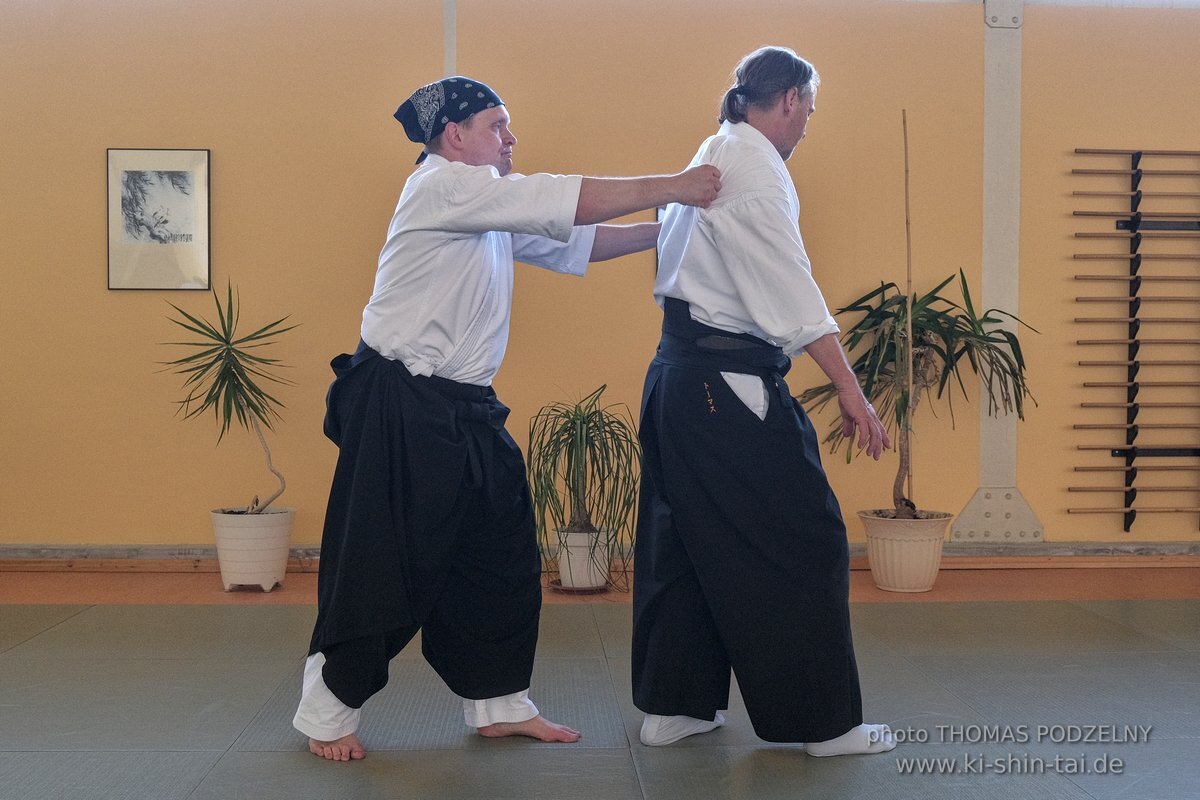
(584,467)
(225,372)
(947,338)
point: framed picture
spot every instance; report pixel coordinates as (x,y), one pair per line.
(158,219)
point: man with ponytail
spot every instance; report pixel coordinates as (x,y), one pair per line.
(741,555)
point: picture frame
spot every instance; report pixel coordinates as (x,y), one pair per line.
(159,219)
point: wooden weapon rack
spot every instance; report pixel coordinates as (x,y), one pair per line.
(1153,249)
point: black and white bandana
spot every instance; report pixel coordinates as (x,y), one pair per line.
(426,114)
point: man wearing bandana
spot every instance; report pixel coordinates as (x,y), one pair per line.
(741,559)
(429,525)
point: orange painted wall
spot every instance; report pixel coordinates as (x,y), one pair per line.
(307,162)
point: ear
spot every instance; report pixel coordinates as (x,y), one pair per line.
(790,98)
(452,136)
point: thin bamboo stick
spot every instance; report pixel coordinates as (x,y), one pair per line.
(909,299)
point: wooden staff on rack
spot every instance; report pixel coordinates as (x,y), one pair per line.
(1142,256)
(1144,278)
(1155,384)
(1142,320)
(1142,214)
(1145,298)
(1142,234)
(1103,151)
(1151,468)
(1186,173)
(1147,362)
(1142,342)
(1139,510)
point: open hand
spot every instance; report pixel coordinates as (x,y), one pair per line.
(859,415)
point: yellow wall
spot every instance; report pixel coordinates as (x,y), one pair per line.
(307,162)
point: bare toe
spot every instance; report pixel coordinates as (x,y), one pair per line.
(347,748)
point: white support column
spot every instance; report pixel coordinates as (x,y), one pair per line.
(450,37)
(998,513)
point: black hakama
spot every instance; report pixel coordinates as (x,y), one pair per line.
(741,555)
(429,527)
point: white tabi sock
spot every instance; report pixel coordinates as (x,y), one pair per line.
(861,739)
(658,730)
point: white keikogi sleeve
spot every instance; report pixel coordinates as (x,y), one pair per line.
(570,257)
(479,200)
(761,245)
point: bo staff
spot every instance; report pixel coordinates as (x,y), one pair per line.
(1092,151)
(1164,468)
(1139,405)
(1151,510)
(1140,489)
(1144,426)
(1147,362)
(1143,320)
(1136,194)
(1143,256)
(1192,173)
(1143,234)
(1151,448)
(1142,384)
(1140,341)
(1146,278)
(1149,298)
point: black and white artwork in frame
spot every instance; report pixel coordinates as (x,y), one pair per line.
(158,219)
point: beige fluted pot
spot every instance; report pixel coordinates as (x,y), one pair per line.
(905,554)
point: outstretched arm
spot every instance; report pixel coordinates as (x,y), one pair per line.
(613,241)
(857,413)
(602,199)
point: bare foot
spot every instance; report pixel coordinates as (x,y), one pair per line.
(344,749)
(538,728)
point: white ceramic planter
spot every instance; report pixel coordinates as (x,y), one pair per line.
(582,561)
(905,554)
(252,549)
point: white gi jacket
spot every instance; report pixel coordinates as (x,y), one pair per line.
(740,263)
(443,289)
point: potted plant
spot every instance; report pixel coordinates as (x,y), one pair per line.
(225,372)
(584,466)
(912,348)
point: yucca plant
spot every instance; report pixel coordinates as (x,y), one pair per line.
(584,464)
(913,347)
(947,339)
(225,372)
